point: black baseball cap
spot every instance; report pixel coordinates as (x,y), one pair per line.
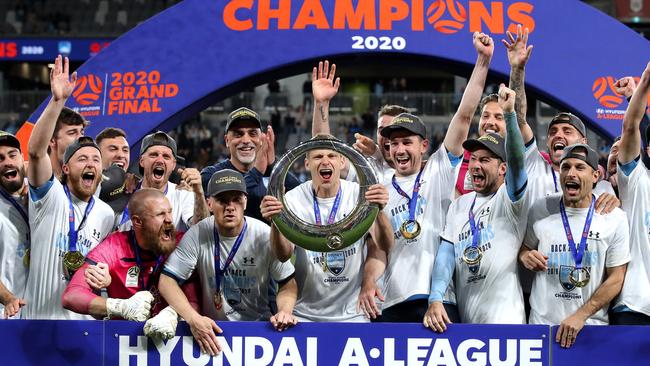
(582,152)
(570,118)
(158,138)
(113,188)
(407,122)
(243,114)
(7,139)
(226,180)
(490,141)
(83,141)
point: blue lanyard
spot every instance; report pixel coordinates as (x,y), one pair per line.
(335,209)
(554,178)
(73,236)
(476,232)
(138,262)
(413,200)
(17,206)
(125,214)
(218,271)
(577,251)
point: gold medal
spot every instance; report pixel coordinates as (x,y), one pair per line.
(579,277)
(72,261)
(410,229)
(472,255)
(26,257)
(218,300)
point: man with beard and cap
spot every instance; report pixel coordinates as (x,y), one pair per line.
(66,221)
(134,259)
(633,306)
(14,226)
(483,232)
(157,161)
(579,268)
(252,153)
(419,195)
(234,261)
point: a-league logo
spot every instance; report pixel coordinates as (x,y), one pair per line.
(605,92)
(456,11)
(88,89)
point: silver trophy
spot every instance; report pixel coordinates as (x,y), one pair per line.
(324,238)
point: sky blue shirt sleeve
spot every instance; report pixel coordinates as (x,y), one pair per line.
(443,269)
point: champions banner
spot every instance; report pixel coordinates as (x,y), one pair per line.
(197,52)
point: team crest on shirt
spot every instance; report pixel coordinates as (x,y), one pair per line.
(132,276)
(564,273)
(335,262)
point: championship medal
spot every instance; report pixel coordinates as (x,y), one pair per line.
(579,277)
(410,229)
(472,255)
(72,261)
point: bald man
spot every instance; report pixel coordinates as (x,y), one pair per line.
(134,259)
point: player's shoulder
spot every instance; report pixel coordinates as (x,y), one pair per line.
(104,208)
(545,206)
(301,190)
(617,215)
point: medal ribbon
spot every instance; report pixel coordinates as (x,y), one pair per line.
(554,179)
(125,214)
(217,254)
(17,206)
(335,209)
(138,261)
(73,233)
(476,232)
(577,251)
(413,200)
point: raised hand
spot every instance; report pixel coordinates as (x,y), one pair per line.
(323,85)
(518,50)
(483,44)
(506,98)
(625,86)
(61,82)
(364,145)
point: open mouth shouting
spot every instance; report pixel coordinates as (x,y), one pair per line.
(167,232)
(558,146)
(88,178)
(402,161)
(158,172)
(120,163)
(326,174)
(572,188)
(478,179)
(10,173)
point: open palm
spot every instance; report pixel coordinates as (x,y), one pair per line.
(323,85)
(61,83)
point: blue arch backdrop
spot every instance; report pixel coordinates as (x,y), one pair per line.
(200,51)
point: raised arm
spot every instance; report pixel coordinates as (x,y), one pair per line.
(518,55)
(630,135)
(62,83)
(373,267)
(516,177)
(323,88)
(459,126)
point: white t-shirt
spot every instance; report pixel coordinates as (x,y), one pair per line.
(14,232)
(553,297)
(634,191)
(48,219)
(489,293)
(245,285)
(328,283)
(410,262)
(182,202)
